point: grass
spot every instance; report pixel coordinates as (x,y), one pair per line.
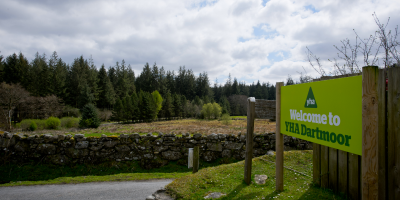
(43,174)
(228,179)
(237,117)
(178,127)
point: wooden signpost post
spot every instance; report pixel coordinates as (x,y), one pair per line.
(249,139)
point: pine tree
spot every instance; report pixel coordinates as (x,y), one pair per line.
(90,117)
(135,106)
(85,97)
(106,90)
(59,72)
(168,107)
(128,108)
(177,105)
(117,111)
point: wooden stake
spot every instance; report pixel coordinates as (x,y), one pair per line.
(249,140)
(370,133)
(279,140)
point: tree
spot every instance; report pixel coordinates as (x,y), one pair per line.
(135,108)
(90,117)
(117,113)
(216,110)
(157,100)
(106,90)
(289,81)
(383,43)
(168,107)
(177,105)
(11,96)
(86,96)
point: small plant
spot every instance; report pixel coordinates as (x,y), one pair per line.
(90,117)
(53,123)
(226,119)
(32,126)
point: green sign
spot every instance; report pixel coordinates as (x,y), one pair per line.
(336,121)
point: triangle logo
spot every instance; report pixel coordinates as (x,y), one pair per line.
(310,101)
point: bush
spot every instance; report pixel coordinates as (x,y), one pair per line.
(90,117)
(32,126)
(41,123)
(226,119)
(53,123)
(69,122)
(211,110)
(25,124)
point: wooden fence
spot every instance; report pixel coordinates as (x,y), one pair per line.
(375,174)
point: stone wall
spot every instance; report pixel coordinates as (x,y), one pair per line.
(265,109)
(151,150)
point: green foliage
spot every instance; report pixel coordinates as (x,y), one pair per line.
(32,126)
(69,122)
(117,113)
(226,119)
(53,123)
(41,123)
(157,100)
(211,110)
(90,117)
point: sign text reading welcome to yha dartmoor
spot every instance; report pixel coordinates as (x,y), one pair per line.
(325,112)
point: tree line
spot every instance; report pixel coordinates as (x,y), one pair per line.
(115,87)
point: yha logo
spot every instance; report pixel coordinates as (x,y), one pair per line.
(310,100)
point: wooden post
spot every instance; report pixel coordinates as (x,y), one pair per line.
(333,170)
(196,159)
(394,133)
(370,133)
(324,166)
(279,140)
(342,169)
(317,163)
(382,136)
(249,139)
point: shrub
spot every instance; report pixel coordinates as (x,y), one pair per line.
(32,126)
(41,123)
(53,123)
(90,117)
(25,124)
(226,119)
(69,122)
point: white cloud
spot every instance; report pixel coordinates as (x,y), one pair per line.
(212,36)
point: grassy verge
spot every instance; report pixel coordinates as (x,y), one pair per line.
(237,117)
(228,179)
(42,174)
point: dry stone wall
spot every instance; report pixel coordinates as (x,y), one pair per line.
(150,150)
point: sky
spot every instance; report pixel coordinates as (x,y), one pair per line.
(249,39)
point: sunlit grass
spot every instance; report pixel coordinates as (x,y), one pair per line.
(228,179)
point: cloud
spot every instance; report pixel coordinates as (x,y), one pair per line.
(249,39)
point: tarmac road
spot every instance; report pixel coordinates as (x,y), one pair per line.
(132,190)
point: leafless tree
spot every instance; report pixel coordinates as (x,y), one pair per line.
(383,43)
(11,96)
